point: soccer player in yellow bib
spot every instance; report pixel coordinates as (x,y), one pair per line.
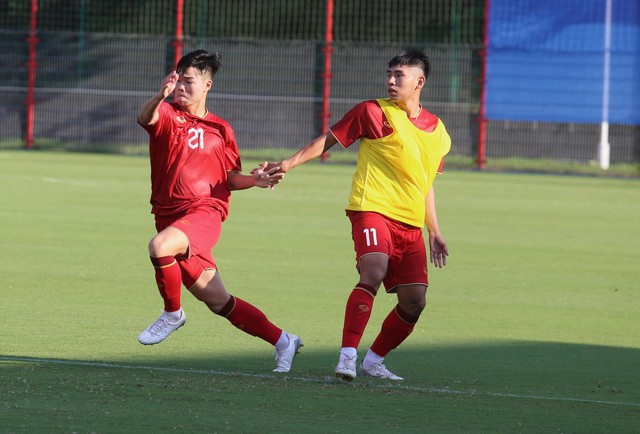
(402,147)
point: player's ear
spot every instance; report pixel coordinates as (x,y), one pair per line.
(208,85)
(421,82)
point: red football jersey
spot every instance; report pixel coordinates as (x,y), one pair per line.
(190,157)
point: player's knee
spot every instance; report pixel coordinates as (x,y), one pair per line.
(372,276)
(373,269)
(155,247)
(159,246)
(420,305)
(414,307)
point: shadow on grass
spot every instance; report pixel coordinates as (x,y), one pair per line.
(494,387)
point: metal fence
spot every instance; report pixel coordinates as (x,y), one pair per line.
(96,66)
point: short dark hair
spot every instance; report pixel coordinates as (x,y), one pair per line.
(412,57)
(202,60)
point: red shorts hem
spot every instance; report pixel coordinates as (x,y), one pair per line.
(203,227)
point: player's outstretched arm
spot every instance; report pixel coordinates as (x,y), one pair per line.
(438,251)
(148,114)
(312,150)
(259,177)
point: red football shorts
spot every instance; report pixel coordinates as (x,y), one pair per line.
(203,227)
(403,244)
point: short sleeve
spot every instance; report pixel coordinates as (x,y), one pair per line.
(162,124)
(358,122)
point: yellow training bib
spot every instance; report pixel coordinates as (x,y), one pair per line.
(394,173)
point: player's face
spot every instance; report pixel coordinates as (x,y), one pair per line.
(192,87)
(403,82)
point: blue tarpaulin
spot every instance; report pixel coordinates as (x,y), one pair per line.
(545,61)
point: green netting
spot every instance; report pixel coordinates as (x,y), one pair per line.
(98,61)
(435,21)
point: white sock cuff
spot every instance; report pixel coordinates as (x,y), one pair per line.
(283,341)
(371,358)
(350,352)
(173,316)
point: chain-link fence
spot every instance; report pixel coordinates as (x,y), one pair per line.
(97,62)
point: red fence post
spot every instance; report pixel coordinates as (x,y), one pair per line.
(178,41)
(32,40)
(482,121)
(326,74)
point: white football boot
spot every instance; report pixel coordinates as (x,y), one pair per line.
(378,370)
(284,358)
(346,368)
(160,329)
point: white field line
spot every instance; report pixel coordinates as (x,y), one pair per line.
(324,380)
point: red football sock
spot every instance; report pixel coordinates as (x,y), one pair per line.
(169,280)
(250,319)
(357,314)
(395,329)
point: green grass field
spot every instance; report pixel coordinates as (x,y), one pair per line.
(533,326)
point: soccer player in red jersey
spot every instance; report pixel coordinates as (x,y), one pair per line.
(401,149)
(195,165)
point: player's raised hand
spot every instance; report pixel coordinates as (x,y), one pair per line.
(169,84)
(148,114)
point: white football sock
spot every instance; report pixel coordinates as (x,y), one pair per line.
(350,352)
(173,317)
(371,358)
(283,342)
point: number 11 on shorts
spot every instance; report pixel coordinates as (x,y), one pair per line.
(370,235)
